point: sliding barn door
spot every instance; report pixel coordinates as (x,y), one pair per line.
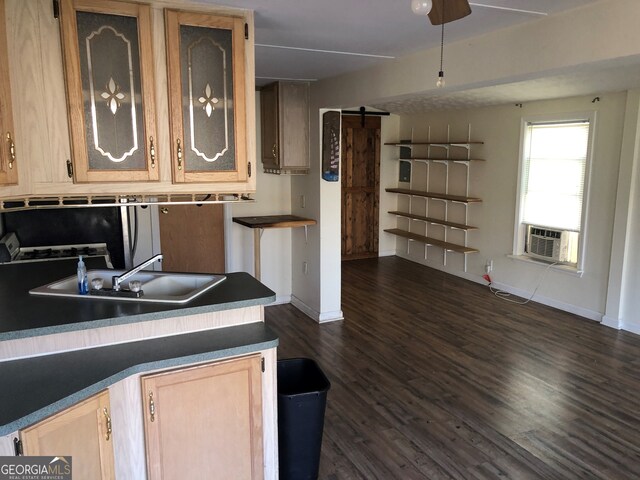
(360,186)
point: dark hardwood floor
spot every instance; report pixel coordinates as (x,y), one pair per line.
(433,377)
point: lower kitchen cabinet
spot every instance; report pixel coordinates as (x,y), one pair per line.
(205,421)
(82,432)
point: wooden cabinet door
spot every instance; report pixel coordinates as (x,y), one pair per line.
(109,80)
(284,118)
(270,131)
(82,432)
(205,421)
(8,157)
(192,238)
(294,127)
(205,62)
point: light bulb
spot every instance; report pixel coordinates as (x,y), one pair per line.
(440,83)
(421,7)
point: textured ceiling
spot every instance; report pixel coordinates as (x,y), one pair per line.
(359,28)
(597,80)
(313,40)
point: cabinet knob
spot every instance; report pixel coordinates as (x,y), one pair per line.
(152,152)
(274,151)
(108,422)
(164,210)
(152,407)
(12,150)
(179,153)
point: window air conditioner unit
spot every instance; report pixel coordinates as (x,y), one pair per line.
(553,245)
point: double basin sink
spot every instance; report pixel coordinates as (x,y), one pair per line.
(159,287)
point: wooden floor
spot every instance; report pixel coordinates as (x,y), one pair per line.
(433,377)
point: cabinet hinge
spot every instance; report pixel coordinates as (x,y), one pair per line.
(17,445)
(56,9)
(249,168)
(262,364)
(246,31)
(69,169)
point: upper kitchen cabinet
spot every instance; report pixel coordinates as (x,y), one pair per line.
(284,108)
(110,90)
(207,97)
(8,164)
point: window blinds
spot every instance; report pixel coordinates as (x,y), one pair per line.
(555,157)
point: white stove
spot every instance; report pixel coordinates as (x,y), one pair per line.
(12,252)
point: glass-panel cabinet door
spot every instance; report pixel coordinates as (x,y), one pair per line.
(8,156)
(205,56)
(109,78)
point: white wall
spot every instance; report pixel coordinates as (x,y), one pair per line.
(273,197)
(495,182)
(317,293)
(623,302)
(389,170)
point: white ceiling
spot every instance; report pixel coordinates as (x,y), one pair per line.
(312,40)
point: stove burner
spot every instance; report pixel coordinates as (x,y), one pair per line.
(32,254)
(39,253)
(74,252)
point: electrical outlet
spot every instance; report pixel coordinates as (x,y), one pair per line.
(305,267)
(303,201)
(488,267)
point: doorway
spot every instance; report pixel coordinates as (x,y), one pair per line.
(360,186)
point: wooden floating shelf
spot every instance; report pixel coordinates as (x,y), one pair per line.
(463,143)
(445,159)
(437,221)
(439,196)
(431,241)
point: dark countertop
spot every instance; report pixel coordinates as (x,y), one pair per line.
(37,387)
(24,315)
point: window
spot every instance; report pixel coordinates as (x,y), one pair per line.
(553,183)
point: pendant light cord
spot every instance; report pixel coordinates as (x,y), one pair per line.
(442,38)
(442,47)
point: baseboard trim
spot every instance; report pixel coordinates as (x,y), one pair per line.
(631,327)
(327,317)
(550,302)
(612,322)
(281,299)
(323,317)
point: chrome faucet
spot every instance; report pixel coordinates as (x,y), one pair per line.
(116,280)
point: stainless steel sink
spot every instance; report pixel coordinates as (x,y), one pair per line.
(160,287)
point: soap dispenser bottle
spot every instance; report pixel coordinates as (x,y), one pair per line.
(83,282)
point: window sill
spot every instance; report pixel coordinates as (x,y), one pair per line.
(568,269)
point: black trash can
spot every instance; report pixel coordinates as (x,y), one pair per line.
(302,397)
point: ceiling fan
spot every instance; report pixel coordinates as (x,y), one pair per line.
(445,11)
(441,11)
